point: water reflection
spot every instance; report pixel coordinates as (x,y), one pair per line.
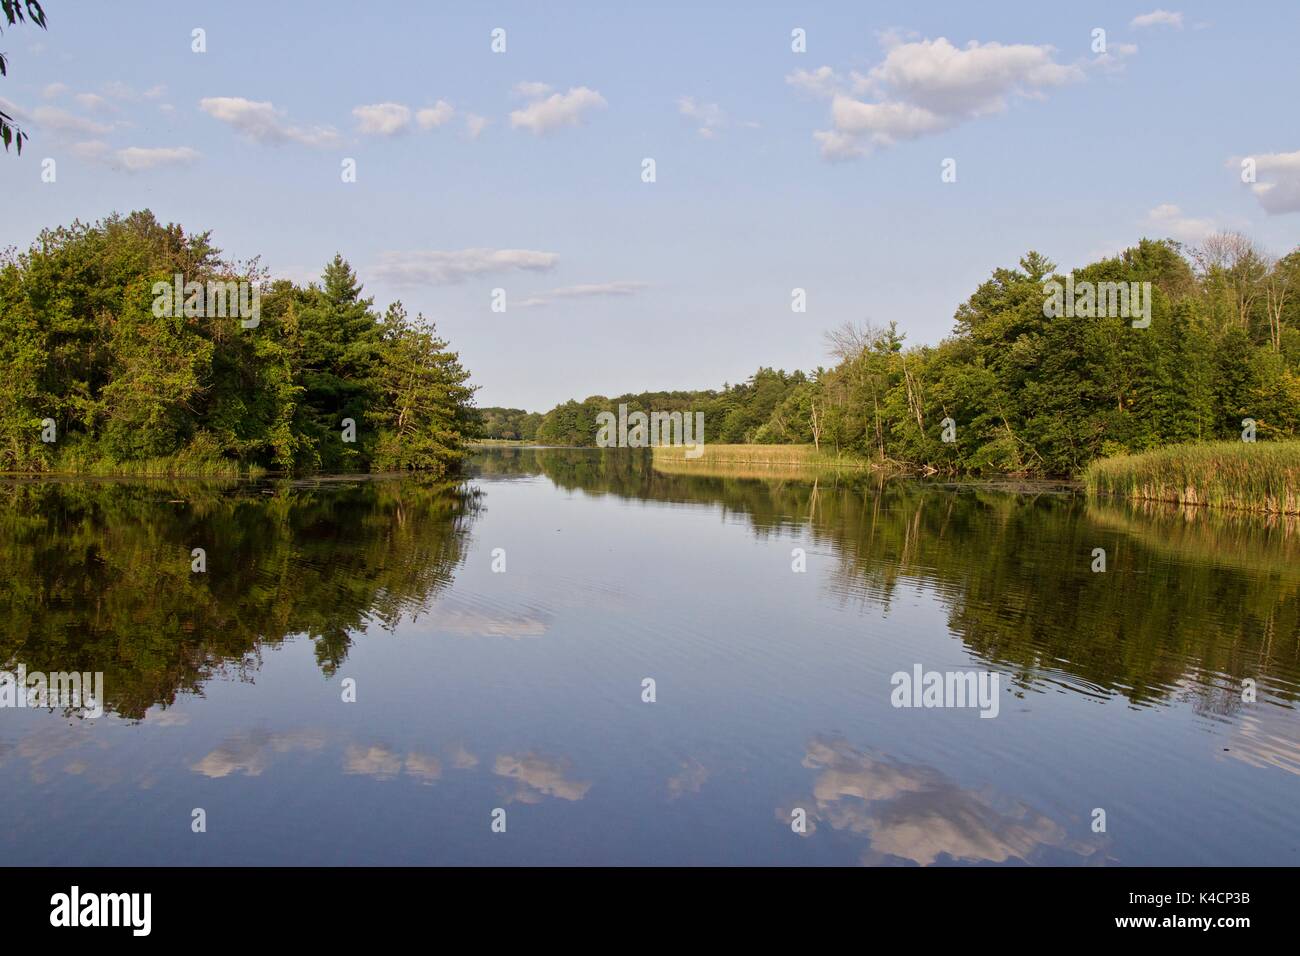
(1191,603)
(97,576)
(913,813)
(479,689)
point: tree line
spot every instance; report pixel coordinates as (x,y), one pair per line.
(95,377)
(1016,390)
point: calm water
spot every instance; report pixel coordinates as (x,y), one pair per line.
(522,690)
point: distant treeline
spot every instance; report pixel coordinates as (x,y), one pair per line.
(509,424)
(100,373)
(1021,392)
(737,413)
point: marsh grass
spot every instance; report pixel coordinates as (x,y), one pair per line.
(187,463)
(1261,477)
(761,461)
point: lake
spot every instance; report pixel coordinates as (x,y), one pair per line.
(390,671)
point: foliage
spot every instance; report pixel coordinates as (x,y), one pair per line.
(82,347)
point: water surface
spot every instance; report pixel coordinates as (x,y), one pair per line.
(478,689)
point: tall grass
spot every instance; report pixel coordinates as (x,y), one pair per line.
(187,463)
(1247,476)
(756,458)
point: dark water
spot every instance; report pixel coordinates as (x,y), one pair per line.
(522,690)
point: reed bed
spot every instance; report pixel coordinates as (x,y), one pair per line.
(772,461)
(1262,477)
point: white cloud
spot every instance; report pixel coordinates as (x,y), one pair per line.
(1169,220)
(383,119)
(822,81)
(532,91)
(60,121)
(118,90)
(475,124)
(11,108)
(928,86)
(91,101)
(619,287)
(54,90)
(94,149)
(838,147)
(155,92)
(431,117)
(709,116)
(435,267)
(971,81)
(885,123)
(1282,194)
(261,122)
(138,158)
(1157,18)
(557,110)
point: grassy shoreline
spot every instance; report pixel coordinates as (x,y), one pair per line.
(1261,477)
(779,457)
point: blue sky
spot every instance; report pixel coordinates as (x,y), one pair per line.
(774,169)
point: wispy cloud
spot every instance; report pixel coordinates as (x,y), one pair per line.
(1157,18)
(139,158)
(261,122)
(1170,221)
(436,267)
(589,291)
(61,121)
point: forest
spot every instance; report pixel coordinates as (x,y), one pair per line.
(96,380)
(1027,393)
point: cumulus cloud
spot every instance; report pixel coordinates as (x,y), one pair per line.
(436,115)
(383,119)
(138,158)
(1170,220)
(1157,18)
(475,124)
(54,90)
(436,267)
(592,290)
(557,110)
(922,87)
(261,122)
(1281,192)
